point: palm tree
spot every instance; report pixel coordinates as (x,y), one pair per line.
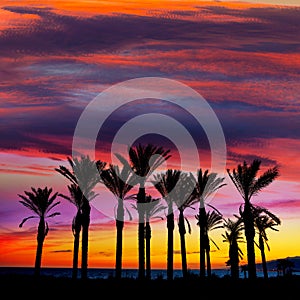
(143,160)
(246,182)
(183,198)
(119,182)
(206,184)
(153,210)
(41,202)
(233,235)
(85,173)
(214,220)
(76,198)
(264,220)
(165,183)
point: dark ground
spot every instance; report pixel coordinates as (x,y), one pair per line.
(27,287)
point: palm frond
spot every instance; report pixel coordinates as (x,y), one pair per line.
(214,244)
(189,225)
(54,214)
(39,201)
(264,180)
(25,219)
(129,213)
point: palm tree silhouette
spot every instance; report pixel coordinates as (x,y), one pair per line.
(76,198)
(206,184)
(41,202)
(143,160)
(233,236)
(214,220)
(263,220)
(183,198)
(119,183)
(85,173)
(165,183)
(246,182)
(152,210)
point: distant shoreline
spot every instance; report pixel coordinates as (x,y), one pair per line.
(50,287)
(105,273)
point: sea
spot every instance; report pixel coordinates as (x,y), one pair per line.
(101,273)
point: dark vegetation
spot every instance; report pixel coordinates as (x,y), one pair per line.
(29,287)
(177,189)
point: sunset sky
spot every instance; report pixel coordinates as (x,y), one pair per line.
(243,58)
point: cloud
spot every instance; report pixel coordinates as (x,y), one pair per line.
(253,93)
(61,251)
(238,157)
(105,253)
(60,34)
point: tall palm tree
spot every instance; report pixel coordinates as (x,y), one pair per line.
(143,160)
(214,221)
(165,183)
(85,173)
(233,236)
(206,184)
(119,183)
(264,220)
(41,202)
(248,184)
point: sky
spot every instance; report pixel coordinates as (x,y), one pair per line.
(57,57)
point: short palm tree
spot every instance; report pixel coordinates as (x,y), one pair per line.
(183,198)
(206,184)
(153,209)
(119,183)
(85,173)
(76,198)
(233,236)
(143,160)
(40,202)
(248,183)
(214,221)
(165,184)
(264,220)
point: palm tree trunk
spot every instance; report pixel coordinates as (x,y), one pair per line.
(208,264)
(234,260)
(85,237)
(141,231)
(119,246)
(263,257)
(202,224)
(119,243)
(39,249)
(250,234)
(148,250)
(182,233)
(75,255)
(76,231)
(170,250)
